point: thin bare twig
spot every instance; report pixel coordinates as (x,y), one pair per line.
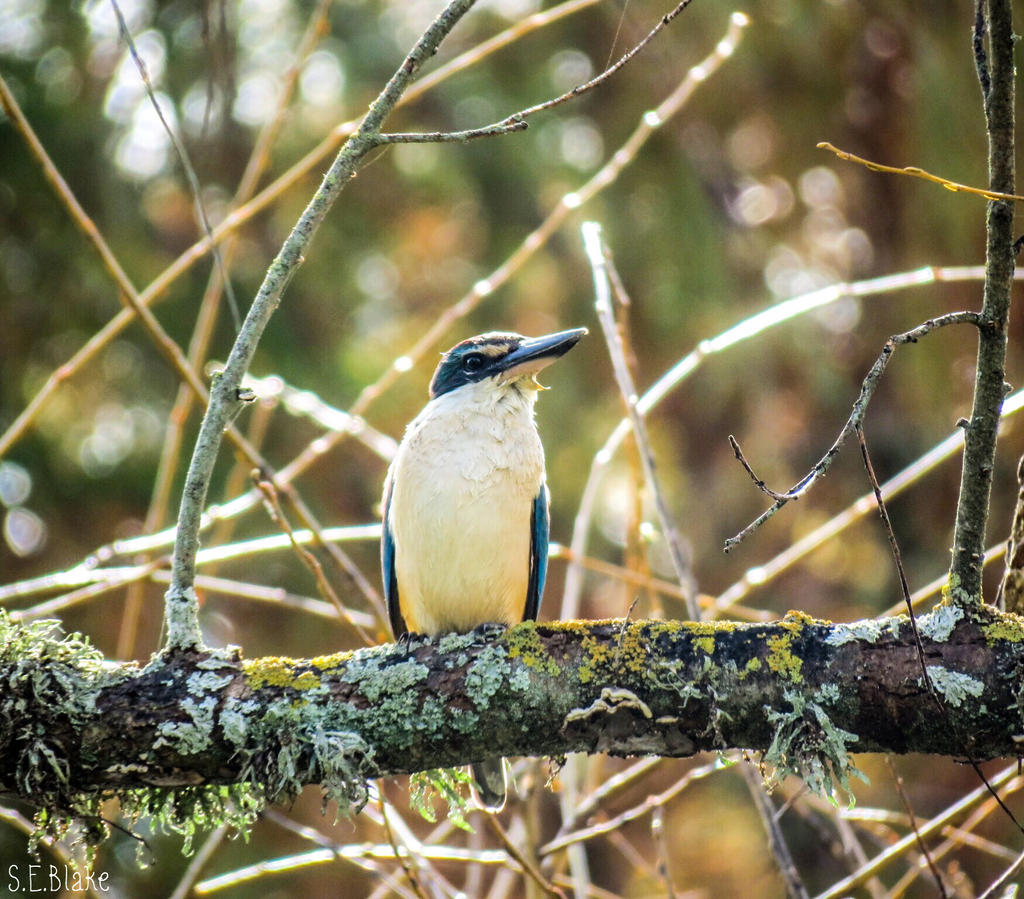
(1011,588)
(758,482)
(961,835)
(401,857)
(599,259)
(183,158)
(776,841)
(867,390)
(898,781)
(897,556)
(273,506)
(661,841)
(915,172)
(562,841)
(1004,880)
(636,551)
(759,575)
(640,579)
(937,585)
(198,862)
(744,330)
(995,795)
(88,572)
(608,788)
(274,595)
(359,854)
(506,126)
(608,72)
(843,887)
(516,121)
(598,256)
(529,867)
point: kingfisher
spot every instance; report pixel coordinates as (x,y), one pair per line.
(465,534)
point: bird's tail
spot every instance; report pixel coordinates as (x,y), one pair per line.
(490,783)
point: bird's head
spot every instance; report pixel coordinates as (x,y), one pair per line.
(505,357)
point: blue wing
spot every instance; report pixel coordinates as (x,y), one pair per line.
(539,528)
(387,568)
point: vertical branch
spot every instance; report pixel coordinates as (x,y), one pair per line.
(1011,589)
(181,608)
(795,887)
(996,76)
(596,255)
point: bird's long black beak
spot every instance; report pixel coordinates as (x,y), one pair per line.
(536,353)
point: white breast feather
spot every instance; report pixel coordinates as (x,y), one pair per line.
(465,478)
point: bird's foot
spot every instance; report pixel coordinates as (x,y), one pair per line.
(490,630)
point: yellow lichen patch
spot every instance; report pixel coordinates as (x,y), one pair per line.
(595,654)
(306,681)
(752,665)
(1002,626)
(651,629)
(711,628)
(277,671)
(781,659)
(705,643)
(794,618)
(332,663)
(523,642)
(631,651)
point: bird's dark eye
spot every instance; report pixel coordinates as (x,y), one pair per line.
(473,362)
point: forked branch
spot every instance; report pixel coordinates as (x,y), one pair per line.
(853,423)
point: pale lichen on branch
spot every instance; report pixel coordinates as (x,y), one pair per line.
(805,692)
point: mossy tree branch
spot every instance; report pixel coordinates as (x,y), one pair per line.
(996,75)
(804,692)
